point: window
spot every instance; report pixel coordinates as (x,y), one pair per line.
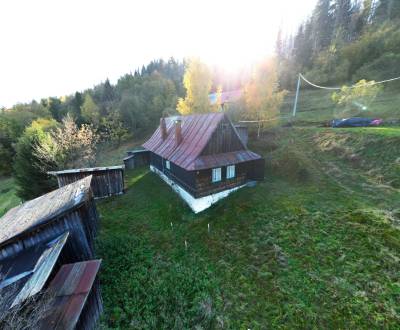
(216,174)
(167,164)
(230,171)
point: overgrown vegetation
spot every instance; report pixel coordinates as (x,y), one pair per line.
(315,245)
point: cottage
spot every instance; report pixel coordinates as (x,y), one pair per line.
(67,209)
(106,181)
(202,157)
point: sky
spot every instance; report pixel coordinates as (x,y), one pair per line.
(57,47)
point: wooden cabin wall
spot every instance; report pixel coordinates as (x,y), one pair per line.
(205,186)
(256,169)
(104,183)
(243,134)
(224,139)
(137,159)
(129,162)
(184,178)
(80,244)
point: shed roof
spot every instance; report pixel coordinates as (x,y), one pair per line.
(88,170)
(71,287)
(25,274)
(41,210)
(196,132)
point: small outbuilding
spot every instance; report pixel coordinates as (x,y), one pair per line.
(137,158)
(106,181)
(68,209)
(202,157)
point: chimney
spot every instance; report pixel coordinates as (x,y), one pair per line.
(163,128)
(178,131)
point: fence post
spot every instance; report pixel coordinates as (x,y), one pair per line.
(297,96)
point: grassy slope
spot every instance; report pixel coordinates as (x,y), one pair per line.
(8,199)
(315,245)
(316,105)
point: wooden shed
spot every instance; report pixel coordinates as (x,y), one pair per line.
(137,158)
(77,302)
(202,155)
(106,181)
(68,209)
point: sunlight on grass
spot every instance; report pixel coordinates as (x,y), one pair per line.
(287,253)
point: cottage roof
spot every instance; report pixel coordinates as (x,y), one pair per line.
(43,209)
(197,130)
(71,287)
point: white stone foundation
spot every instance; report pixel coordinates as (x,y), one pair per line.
(196,204)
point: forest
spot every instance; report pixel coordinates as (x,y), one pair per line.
(341,42)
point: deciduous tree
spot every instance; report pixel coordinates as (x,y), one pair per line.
(197,82)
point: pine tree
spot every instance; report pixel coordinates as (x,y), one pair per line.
(343,13)
(322,25)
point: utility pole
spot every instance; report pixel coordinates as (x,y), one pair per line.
(297,96)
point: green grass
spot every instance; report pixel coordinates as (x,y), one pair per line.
(110,155)
(8,199)
(316,105)
(316,245)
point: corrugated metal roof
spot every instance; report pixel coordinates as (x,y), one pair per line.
(196,132)
(70,287)
(25,274)
(228,158)
(42,209)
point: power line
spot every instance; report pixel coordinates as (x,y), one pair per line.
(353,86)
(330,88)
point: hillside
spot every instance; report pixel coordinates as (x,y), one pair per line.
(315,106)
(316,244)
(8,199)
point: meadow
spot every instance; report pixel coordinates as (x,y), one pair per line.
(316,245)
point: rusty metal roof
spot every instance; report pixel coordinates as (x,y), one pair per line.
(40,210)
(224,159)
(196,132)
(70,287)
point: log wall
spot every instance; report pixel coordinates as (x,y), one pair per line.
(107,181)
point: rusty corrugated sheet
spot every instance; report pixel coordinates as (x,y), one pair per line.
(196,132)
(42,209)
(70,287)
(228,158)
